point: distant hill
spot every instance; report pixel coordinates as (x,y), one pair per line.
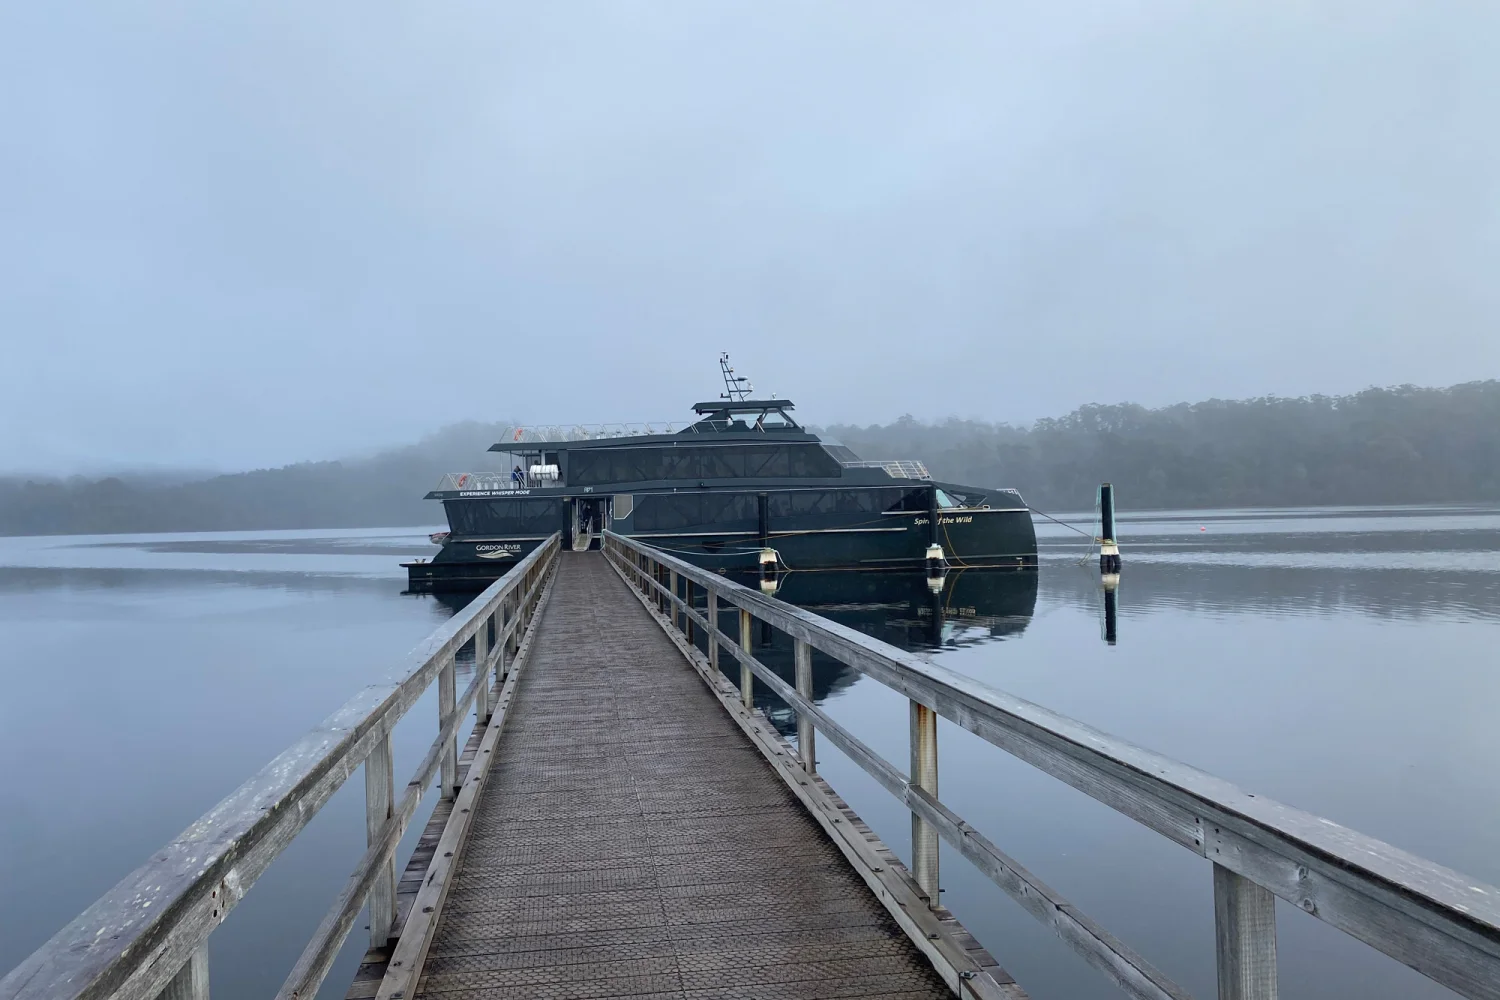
(385,489)
(1397,445)
(1390,446)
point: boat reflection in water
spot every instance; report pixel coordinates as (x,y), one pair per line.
(971,607)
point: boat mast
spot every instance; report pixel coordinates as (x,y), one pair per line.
(737,388)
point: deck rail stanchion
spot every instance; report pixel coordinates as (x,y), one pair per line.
(747,676)
(447,700)
(807,739)
(713,635)
(1244,937)
(191,981)
(672,604)
(380,804)
(924,775)
(482,669)
(1441,923)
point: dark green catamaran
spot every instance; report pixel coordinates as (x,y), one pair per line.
(741,485)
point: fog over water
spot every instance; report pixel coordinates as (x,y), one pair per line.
(255,233)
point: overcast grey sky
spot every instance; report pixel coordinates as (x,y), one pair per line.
(247,233)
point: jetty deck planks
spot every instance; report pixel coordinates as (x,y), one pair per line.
(631,842)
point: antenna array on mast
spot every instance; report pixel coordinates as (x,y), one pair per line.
(737,388)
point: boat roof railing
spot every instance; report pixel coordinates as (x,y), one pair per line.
(896,468)
(533,437)
(535,434)
(743,405)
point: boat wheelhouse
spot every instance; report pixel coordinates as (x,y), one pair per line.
(740,485)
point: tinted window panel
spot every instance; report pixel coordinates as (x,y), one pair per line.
(910,500)
(504,517)
(698,463)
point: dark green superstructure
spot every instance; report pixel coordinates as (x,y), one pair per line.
(742,484)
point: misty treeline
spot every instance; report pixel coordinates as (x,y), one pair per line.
(1386,446)
(381,490)
(1396,445)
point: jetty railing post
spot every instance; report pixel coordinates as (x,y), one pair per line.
(747,676)
(447,698)
(672,589)
(713,636)
(523,585)
(502,667)
(518,606)
(191,981)
(1244,937)
(380,781)
(523,609)
(687,621)
(924,775)
(807,736)
(506,615)
(482,667)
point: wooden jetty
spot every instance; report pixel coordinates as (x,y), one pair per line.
(623,822)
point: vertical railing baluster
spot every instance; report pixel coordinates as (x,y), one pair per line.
(482,669)
(807,737)
(687,619)
(502,668)
(502,662)
(380,781)
(672,589)
(191,981)
(713,637)
(1244,937)
(447,697)
(747,676)
(924,775)
(525,603)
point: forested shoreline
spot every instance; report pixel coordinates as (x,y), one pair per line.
(1382,446)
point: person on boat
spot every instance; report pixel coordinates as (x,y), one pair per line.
(516,476)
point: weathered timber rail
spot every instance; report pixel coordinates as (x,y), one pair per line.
(608,832)
(148,936)
(1433,919)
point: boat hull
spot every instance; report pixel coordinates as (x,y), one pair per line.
(971,538)
(467,564)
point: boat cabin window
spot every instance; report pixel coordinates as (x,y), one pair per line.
(910,500)
(918,500)
(590,467)
(795,503)
(671,511)
(505,517)
(774,420)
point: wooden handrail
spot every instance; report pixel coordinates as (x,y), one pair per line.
(1429,917)
(148,934)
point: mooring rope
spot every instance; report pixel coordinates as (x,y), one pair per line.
(1065,524)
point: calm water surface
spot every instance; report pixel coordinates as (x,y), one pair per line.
(1341,660)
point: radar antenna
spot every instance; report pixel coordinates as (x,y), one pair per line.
(737,388)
